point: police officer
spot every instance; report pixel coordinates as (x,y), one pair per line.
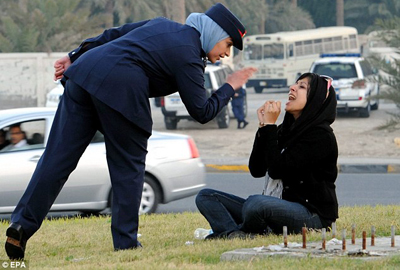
(108,82)
(238,107)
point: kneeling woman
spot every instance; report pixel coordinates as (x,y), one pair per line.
(302,152)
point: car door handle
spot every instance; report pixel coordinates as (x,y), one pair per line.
(35,158)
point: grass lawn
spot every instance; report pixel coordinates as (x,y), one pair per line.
(85,243)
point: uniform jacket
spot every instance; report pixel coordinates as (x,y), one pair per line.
(125,66)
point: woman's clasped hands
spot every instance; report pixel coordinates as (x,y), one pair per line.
(269,112)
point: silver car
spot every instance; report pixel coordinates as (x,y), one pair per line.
(174,169)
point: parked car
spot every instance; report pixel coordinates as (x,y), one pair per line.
(174,169)
(174,110)
(354,81)
(53,97)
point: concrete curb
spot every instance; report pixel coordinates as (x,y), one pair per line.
(343,168)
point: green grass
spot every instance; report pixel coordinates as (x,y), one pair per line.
(85,243)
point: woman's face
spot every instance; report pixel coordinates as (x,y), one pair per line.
(220,50)
(298,97)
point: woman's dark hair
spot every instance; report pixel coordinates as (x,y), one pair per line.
(320,110)
(306,75)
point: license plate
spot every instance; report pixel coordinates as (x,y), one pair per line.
(173,102)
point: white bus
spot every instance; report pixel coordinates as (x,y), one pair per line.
(281,57)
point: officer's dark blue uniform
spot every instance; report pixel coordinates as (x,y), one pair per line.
(237,107)
(108,88)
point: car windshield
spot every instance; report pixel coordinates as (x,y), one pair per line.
(336,70)
(207,81)
(253,52)
(273,51)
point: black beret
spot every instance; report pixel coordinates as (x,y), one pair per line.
(229,22)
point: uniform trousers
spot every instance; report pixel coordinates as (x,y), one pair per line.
(78,117)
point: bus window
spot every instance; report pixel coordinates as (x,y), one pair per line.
(328,45)
(290,50)
(337,43)
(253,52)
(308,49)
(318,46)
(299,48)
(273,51)
(346,43)
(353,41)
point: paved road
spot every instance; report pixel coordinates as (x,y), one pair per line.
(352,189)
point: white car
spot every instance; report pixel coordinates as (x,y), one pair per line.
(53,97)
(174,110)
(354,81)
(174,169)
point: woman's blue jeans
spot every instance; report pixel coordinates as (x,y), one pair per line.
(257,214)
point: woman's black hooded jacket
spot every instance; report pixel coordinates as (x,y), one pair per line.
(303,153)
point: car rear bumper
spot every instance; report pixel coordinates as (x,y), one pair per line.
(346,106)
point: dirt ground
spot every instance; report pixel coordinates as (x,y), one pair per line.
(357,137)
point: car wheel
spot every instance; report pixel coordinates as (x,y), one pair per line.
(90,213)
(258,90)
(108,210)
(365,112)
(375,106)
(170,122)
(223,118)
(151,196)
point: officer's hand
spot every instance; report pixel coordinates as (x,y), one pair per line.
(240,77)
(60,66)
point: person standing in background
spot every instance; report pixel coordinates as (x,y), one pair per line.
(238,107)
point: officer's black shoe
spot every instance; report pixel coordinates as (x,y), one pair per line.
(138,246)
(16,242)
(245,123)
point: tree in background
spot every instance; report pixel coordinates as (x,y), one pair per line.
(389,32)
(283,15)
(360,14)
(45,25)
(323,13)
(59,25)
